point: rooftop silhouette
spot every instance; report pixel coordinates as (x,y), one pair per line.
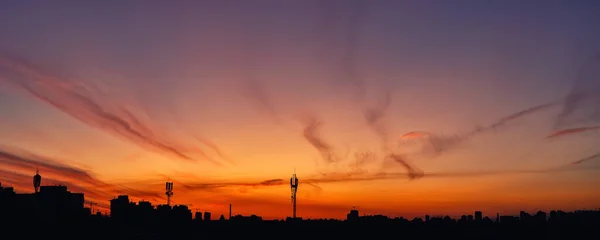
(54,207)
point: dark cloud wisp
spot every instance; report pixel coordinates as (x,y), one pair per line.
(82,103)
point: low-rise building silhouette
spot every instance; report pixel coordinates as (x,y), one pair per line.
(353,215)
(508,220)
(478,216)
(47,204)
(125,211)
(242,218)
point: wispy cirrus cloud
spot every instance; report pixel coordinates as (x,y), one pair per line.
(25,161)
(571,131)
(439,143)
(583,101)
(16,163)
(311,134)
(346,21)
(587,159)
(580,105)
(326,178)
(84,102)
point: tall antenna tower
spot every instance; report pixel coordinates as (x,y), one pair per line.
(294,186)
(169,192)
(37,180)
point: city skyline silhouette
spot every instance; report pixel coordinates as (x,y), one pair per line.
(122,202)
(302,109)
(121,206)
(51,208)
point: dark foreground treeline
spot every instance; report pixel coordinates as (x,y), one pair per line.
(105,228)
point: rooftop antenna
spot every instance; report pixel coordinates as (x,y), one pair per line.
(169,192)
(37,180)
(294,186)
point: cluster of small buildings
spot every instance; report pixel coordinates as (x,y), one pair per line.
(123,210)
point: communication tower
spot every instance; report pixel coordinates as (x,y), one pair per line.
(37,180)
(169,192)
(294,186)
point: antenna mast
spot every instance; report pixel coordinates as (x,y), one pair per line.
(169,192)
(294,186)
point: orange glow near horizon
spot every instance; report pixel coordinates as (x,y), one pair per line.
(206,186)
(226,101)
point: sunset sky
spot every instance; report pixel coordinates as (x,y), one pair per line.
(402,108)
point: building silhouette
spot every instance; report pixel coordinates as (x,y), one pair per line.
(54,209)
(241,218)
(126,212)
(478,216)
(47,204)
(353,215)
